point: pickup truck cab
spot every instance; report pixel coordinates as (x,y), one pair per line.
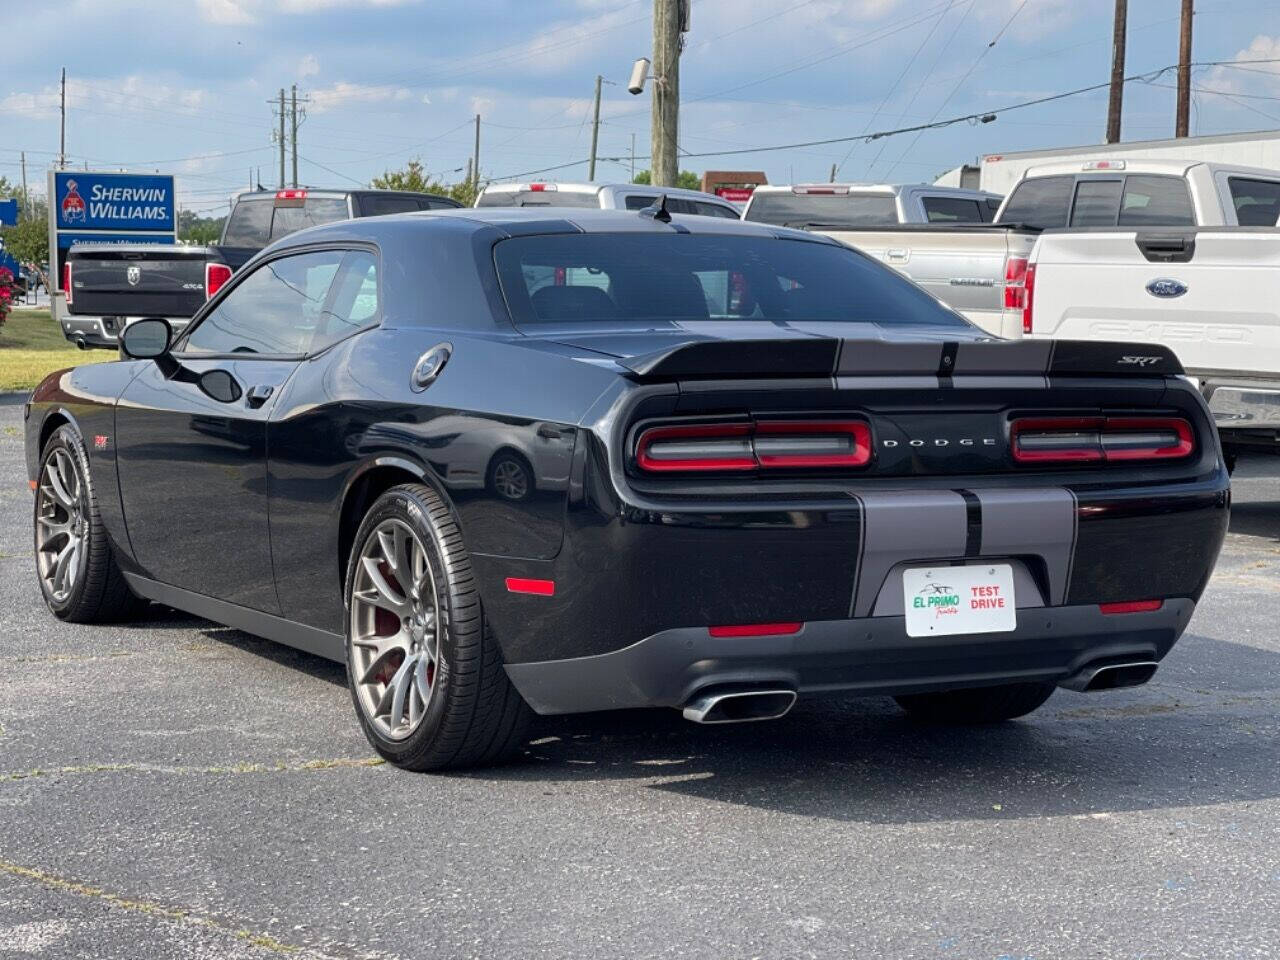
(851,205)
(109,286)
(980,270)
(605,196)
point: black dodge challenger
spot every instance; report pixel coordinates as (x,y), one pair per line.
(507,462)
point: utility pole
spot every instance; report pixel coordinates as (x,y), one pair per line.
(633,158)
(1117,71)
(26,200)
(293,120)
(595,131)
(666,91)
(475,157)
(62,138)
(282,141)
(1183,122)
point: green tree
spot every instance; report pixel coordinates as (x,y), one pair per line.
(193,228)
(415,179)
(686,180)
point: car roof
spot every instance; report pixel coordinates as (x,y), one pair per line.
(532,221)
(886,189)
(1084,164)
(681,192)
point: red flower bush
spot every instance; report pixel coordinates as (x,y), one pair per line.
(6,293)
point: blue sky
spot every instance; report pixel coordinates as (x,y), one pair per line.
(182,85)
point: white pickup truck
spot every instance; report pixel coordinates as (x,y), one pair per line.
(981,270)
(1211,294)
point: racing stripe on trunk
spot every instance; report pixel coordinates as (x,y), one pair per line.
(896,527)
(1032,523)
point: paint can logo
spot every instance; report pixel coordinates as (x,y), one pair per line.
(73,205)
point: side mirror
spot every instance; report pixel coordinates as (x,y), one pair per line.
(147,339)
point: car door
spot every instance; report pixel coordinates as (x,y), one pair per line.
(191,432)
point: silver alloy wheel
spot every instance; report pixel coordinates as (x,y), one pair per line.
(511,479)
(395,637)
(62,524)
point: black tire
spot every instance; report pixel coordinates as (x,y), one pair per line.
(524,475)
(99,594)
(474,716)
(977,705)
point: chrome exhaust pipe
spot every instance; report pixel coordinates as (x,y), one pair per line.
(80,344)
(739,706)
(1111,676)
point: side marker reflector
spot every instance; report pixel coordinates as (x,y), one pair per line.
(1131,606)
(541,588)
(755,630)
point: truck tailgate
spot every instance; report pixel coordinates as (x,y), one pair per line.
(963,266)
(1219,310)
(134,282)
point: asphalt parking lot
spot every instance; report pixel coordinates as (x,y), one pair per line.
(172,788)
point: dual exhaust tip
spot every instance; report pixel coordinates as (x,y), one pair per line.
(771,703)
(740,706)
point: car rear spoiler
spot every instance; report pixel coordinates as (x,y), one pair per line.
(830,357)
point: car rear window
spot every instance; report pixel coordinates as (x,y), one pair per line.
(1097,203)
(312,213)
(1041,202)
(850,210)
(249,224)
(538,198)
(625,280)
(1157,202)
(375,206)
(1257,202)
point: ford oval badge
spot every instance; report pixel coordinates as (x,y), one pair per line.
(1166,288)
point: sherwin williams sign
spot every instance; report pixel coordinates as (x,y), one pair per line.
(113,201)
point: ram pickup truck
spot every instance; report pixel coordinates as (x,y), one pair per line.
(1210,294)
(981,270)
(109,286)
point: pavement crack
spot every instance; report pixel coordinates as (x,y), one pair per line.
(336,763)
(180,915)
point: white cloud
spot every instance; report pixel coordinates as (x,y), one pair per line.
(1258,76)
(226,12)
(308,66)
(133,93)
(344,94)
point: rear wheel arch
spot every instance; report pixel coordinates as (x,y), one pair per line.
(369,483)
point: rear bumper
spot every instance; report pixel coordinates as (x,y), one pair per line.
(104,332)
(1244,406)
(867,656)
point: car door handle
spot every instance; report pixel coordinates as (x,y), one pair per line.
(259,394)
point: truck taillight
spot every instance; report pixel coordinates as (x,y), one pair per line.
(1099,439)
(542,187)
(1015,278)
(754,445)
(1028,296)
(66,281)
(215,275)
(291,194)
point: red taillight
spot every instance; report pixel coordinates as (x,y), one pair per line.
(1093,439)
(1028,296)
(541,187)
(66,281)
(1131,606)
(291,194)
(1015,277)
(821,191)
(756,630)
(752,445)
(215,275)
(540,588)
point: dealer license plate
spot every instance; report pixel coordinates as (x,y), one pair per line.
(976,598)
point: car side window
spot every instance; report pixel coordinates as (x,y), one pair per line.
(951,210)
(276,309)
(714,210)
(1257,202)
(638,202)
(353,301)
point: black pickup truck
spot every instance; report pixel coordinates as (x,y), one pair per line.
(109,285)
